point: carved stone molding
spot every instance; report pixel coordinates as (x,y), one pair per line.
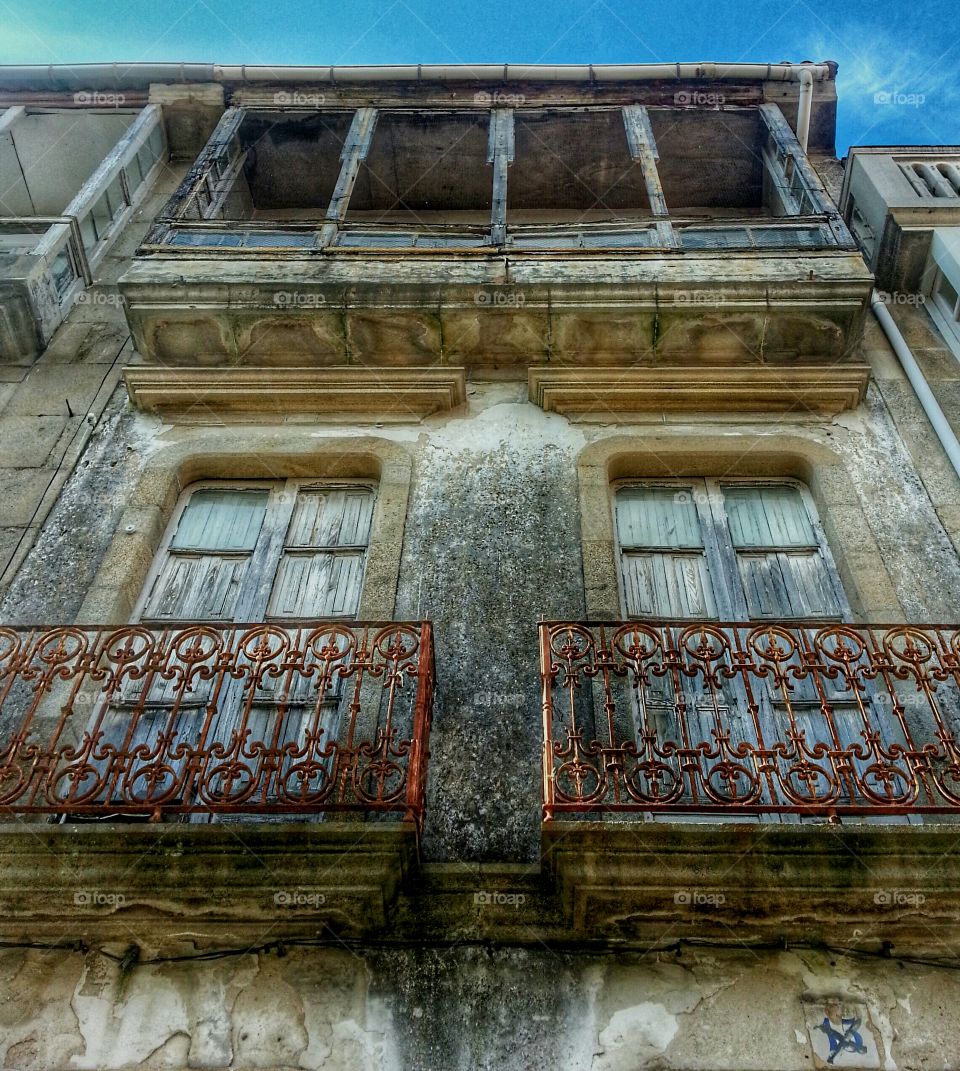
(760,388)
(198,395)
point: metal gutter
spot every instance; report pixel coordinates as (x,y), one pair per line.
(39,77)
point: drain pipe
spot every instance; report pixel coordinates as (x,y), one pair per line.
(939,422)
(804,107)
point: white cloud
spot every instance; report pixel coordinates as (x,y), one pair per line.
(887,83)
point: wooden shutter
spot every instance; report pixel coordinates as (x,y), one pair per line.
(249,553)
(320,571)
(704,549)
(204,570)
(663,553)
(781,562)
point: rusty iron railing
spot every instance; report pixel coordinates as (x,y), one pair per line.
(806,719)
(260,719)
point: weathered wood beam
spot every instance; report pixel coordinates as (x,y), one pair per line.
(354,152)
(223,134)
(500,150)
(643,149)
(788,146)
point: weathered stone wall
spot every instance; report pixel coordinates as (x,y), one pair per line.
(471,1009)
(492,543)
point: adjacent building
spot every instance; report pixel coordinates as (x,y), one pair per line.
(480,567)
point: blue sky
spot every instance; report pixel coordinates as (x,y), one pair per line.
(899,78)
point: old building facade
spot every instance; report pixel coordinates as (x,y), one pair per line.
(480,565)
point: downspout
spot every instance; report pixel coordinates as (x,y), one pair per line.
(938,421)
(804,107)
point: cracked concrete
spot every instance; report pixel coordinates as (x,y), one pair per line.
(465,1009)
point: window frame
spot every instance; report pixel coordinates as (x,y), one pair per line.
(718,549)
(946,320)
(270,541)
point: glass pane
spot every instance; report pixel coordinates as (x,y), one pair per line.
(228,520)
(280,239)
(115,194)
(155,141)
(101,215)
(88,231)
(768,517)
(206,238)
(658,517)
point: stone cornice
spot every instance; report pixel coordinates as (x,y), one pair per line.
(755,388)
(201,394)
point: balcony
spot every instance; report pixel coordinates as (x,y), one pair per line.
(896,201)
(223,731)
(545,241)
(763,775)
(71,181)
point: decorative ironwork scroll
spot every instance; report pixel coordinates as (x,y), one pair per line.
(810,719)
(257,719)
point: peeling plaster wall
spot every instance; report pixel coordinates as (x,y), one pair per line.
(467,1009)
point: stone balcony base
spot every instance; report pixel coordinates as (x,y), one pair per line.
(489,312)
(224,882)
(621,885)
(852,886)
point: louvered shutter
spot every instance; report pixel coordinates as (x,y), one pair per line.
(781,564)
(204,571)
(663,554)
